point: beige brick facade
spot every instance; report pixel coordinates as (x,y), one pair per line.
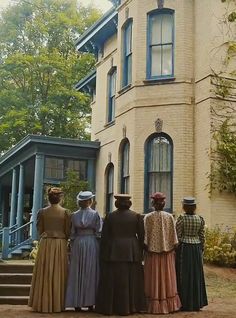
(183,104)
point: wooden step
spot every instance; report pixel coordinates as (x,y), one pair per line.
(15,278)
(14,300)
(14,290)
(16,268)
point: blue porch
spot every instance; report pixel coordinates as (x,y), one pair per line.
(25,170)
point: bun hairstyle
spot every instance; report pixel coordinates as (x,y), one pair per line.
(123,201)
(54,195)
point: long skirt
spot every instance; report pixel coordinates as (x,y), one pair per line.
(47,292)
(121,289)
(190,277)
(160,283)
(83,272)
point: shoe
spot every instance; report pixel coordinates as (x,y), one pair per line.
(78,309)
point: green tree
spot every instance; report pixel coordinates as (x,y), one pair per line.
(39,68)
(71,187)
(223,152)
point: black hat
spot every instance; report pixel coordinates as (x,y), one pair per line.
(122,196)
(189,201)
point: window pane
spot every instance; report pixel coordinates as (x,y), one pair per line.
(129,69)
(54,168)
(126,185)
(128,39)
(109,194)
(167,28)
(156,29)
(161,182)
(125,162)
(167,60)
(112,108)
(80,166)
(113,84)
(110,180)
(156,61)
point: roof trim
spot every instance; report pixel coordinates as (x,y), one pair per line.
(40,139)
(92,39)
(87,82)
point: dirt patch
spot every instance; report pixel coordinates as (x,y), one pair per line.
(221,289)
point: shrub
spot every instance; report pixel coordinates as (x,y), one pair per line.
(220,248)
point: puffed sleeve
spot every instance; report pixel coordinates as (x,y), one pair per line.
(179,227)
(40,222)
(202,232)
(67,224)
(98,224)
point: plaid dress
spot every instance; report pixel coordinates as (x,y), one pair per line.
(189,264)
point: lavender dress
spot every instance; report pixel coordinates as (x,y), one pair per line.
(84,261)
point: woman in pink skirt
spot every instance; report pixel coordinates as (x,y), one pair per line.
(159,261)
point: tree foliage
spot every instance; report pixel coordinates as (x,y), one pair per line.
(223,152)
(39,68)
(71,187)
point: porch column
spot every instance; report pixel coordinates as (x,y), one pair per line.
(1,207)
(91,174)
(20,201)
(13,198)
(38,191)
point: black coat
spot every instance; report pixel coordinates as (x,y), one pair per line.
(122,237)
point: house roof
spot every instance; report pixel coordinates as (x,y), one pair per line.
(46,140)
(87,82)
(92,40)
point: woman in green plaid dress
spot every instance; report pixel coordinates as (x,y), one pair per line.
(189,264)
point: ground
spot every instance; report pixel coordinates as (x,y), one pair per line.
(221,289)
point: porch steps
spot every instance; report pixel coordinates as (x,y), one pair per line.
(15,280)
(19,253)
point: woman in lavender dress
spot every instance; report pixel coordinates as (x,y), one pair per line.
(84,261)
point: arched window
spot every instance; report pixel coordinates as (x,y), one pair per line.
(125,177)
(109,187)
(160,46)
(111,95)
(158,168)
(127,53)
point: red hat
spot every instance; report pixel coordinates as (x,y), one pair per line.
(158,196)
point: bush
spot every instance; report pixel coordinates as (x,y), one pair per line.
(220,248)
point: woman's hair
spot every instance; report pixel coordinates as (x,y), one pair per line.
(123,204)
(85,203)
(55,195)
(189,209)
(158,204)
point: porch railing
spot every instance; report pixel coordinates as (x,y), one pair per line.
(15,237)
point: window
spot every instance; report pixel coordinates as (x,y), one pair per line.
(125,148)
(158,168)
(79,166)
(127,53)
(54,168)
(111,94)
(160,37)
(109,187)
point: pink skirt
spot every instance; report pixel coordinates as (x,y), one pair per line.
(160,283)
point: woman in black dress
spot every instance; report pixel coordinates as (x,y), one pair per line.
(121,287)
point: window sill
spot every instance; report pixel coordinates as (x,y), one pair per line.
(111,123)
(159,81)
(124,89)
